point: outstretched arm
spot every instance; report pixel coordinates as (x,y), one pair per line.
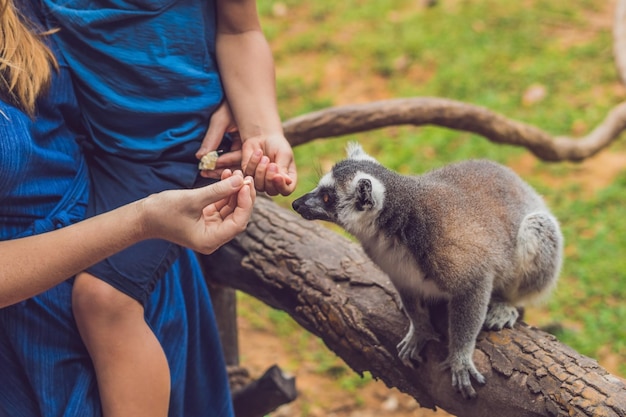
(202,219)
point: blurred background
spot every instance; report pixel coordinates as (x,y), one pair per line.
(548,64)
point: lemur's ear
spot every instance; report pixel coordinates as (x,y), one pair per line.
(355,151)
(364,197)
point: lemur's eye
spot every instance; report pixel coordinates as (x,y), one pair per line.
(327,196)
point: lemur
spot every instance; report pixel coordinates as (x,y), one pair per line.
(472,234)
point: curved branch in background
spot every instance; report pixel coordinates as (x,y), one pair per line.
(619,39)
(342,120)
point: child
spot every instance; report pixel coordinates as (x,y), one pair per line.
(151,76)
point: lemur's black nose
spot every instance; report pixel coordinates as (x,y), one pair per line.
(297,203)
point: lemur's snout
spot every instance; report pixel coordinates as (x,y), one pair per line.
(297,203)
(308,206)
(300,206)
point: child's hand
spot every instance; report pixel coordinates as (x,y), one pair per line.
(270,160)
(202,219)
(221,122)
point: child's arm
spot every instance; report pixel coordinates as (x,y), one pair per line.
(202,219)
(247,70)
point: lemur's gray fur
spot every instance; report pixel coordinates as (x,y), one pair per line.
(473,234)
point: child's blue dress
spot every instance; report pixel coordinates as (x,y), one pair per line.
(147,83)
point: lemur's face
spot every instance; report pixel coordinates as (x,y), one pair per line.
(346,195)
(321,203)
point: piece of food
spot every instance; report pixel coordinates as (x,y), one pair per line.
(208,161)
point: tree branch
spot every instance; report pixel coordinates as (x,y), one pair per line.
(342,120)
(330,287)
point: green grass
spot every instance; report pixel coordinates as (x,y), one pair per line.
(485,52)
(592,289)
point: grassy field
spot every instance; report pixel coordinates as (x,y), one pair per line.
(549,64)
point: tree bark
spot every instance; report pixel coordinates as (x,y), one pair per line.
(330,287)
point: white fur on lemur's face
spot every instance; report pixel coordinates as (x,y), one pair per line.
(350,195)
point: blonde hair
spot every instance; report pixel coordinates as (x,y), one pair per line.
(25,61)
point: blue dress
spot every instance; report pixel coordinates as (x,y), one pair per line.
(45,369)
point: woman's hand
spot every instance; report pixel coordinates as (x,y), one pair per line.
(202,219)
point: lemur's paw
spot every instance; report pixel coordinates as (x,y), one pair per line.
(407,352)
(461,381)
(411,346)
(500,315)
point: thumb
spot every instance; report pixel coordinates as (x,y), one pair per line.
(211,140)
(220,190)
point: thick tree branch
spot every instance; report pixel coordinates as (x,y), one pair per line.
(329,286)
(342,120)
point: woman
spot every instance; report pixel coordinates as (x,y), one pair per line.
(46,369)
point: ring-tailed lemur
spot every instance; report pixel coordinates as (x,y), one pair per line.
(473,234)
